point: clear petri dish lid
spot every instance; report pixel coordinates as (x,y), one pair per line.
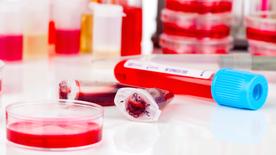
(55,110)
(170,41)
(181,18)
(265,20)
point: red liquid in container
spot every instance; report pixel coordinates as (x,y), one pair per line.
(131,31)
(67,42)
(52,33)
(11,47)
(193,6)
(54,135)
(261,35)
(214,31)
(177,84)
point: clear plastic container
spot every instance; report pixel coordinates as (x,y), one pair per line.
(107,29)
(2,64)
(36,28)
(200,6)
(67,18)
(11,31)
(181,45)
(195,25)
(61,124)
(261,26)
(260,48)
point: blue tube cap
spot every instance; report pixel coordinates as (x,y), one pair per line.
(239,89)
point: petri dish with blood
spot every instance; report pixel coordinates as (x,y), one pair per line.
(54,125)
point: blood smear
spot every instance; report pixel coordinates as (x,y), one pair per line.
(54,135)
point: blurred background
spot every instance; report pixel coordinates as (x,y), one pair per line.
(41,29)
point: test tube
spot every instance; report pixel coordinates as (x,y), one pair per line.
(144,105)
(36,29)
(107,27)
(67,17)
(11,32)
(97,92)
(227,87)
(132,28)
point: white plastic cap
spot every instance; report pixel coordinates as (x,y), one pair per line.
(152,111)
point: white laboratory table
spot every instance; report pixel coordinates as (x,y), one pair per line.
(188,126)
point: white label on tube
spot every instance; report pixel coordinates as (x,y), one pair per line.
(155,67)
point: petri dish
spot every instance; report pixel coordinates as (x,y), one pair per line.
(195,25)
(183,45)
(200,6)
(261,48)
(261,26)
(54,125)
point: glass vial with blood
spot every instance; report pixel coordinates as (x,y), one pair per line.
(227,87)
(97,92)
(132,27)
(143,105)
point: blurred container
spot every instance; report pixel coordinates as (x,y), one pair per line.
(195,25)
(2,64)
(261,26)
(11,31)
(36,27)
(67,17)
(261,33)
(200,6)
(132,28)
(107,28)
(261,48)
(180,45)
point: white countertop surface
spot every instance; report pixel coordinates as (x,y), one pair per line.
(188,126)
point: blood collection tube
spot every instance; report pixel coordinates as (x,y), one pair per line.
(227,87)
(143,105)
(132,27)
(96,92)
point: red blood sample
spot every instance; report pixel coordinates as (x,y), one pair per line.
(52,33)
(194,6)
(99,93)
(11,47)
(177,84)
(67,41)
(214,31)
(54,135)
(142,104)
(261,35)
(131,31)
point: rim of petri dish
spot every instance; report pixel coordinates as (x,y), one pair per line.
(257,17)
(98,111)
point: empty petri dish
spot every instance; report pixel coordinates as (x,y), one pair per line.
(60,124)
